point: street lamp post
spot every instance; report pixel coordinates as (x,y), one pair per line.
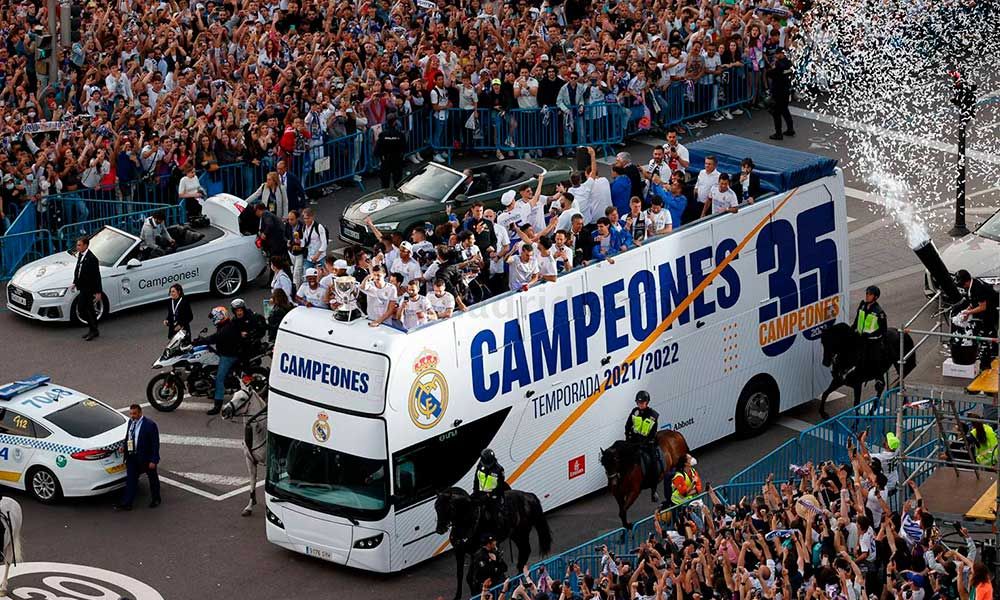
(964,98)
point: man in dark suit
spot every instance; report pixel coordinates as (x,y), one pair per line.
(293,187)
(142,454)
(87,281)
(746,184)
(271,231)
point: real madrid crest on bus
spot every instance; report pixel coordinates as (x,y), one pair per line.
(429,393)
(321,428)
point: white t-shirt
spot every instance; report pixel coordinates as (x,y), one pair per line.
(706,181)
(312,297)
(519,215)
(600,199)
(441,304)
(663,169)
(563,257)
(656,221)
(581,197)
(414,311)
(523,93)
(408,269)
(535,215)
(521,272)
(379,298)
(282,281)
(187,185)
(722,201)
(546,264)
(566,217)
(682,154)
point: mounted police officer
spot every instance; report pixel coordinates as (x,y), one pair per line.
(870,321)
(643,421)
(488,484)
(641,428)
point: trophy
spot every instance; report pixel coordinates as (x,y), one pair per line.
(345,290)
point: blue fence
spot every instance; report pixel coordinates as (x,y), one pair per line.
(825,441)
(22,247)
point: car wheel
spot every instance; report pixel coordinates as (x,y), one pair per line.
(43,485)
(101,309)
(165,392)
(228,279)
(757,406)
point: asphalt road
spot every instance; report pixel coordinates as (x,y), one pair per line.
(196,545)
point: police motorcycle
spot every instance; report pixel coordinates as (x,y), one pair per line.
(193,367)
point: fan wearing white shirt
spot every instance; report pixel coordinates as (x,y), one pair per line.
(533,204)
(314,239)
(382,297)
(678,156)
(442,301)
(523,269)
(311,293)
(562,252)
(414,309)
(406,265)
(721,198)
(707,179)
(546,262)
(658,220)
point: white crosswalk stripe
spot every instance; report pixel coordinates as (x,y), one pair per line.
(213,479)
(198,440)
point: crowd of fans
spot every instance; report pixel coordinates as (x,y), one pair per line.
(828,533)
(483,253)
(152,88)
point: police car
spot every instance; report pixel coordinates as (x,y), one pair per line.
(57,442)
(219,260)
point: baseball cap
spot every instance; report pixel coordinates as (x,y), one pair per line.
(340,264)
(508,197)
(544,57)
(496,82)
(312,273)
(406,246)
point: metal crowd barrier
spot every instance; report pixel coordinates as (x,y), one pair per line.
(130,222)
(17,249)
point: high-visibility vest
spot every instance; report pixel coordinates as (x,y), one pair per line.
(487,481)
(986,453)
(642,426)
(867,322)
(692,483)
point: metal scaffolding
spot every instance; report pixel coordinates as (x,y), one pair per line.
(952,410)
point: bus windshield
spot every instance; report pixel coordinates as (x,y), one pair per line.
(325,479)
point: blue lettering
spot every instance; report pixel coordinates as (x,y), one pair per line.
(483,391)
(557,347)
(4,453)
(612,314)
(673,289)
(702,308)
(586,322)
(317,368)
(642,300)
(729,295)
(515,363)
(283,363)
(363,379)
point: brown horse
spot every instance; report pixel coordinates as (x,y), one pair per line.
(623,465)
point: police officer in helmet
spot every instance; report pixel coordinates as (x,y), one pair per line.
(488,484)
(643,421)
(870,321)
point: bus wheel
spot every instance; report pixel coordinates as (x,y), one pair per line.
(757,407)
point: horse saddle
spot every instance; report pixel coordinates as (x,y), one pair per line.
(651,463)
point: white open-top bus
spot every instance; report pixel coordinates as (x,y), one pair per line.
(718,320)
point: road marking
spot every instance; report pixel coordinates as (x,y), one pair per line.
(981,192)
(197,440)
(851,220)
(795,424)
(213,479)
(188,488)
(126,586)
(891,134)
(898,273)
(189,405)
(243,490)
(861,195)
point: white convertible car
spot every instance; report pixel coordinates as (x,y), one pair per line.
(221,262)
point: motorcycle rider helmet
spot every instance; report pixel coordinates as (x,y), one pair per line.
(489,459)
(641,396)
(219,314)
(238,303)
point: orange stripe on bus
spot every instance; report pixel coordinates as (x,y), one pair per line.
(644,345)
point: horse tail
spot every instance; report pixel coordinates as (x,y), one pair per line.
(911,361)
(16,545)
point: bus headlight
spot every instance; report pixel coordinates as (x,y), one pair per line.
(369,542)
(273,518)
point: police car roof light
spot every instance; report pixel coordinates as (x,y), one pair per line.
(16,388)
